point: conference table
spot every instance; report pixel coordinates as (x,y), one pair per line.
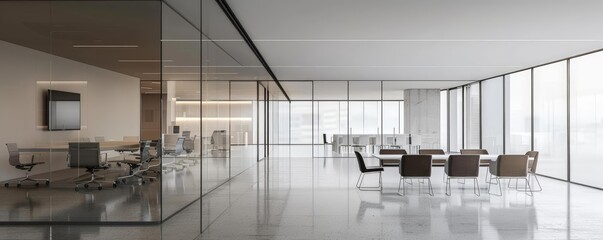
(64,147)
(437,160)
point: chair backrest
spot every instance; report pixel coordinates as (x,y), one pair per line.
(179,146)
(415,166)
(169,142)
(462,166)
(84,155)
(533,163)
(130,138)
(360,160)
(189,144)
(13,154)
(392,151)
(99,139)
(158,149)
(145,153)
(474,151)
(324,138)
(186,134)
(512,166)
(432,151)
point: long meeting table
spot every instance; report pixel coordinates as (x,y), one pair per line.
(437,160)
(64,147)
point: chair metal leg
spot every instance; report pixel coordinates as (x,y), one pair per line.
(358,181)
(539,187)
(402,182)
(448,190)
(476,187)
(430,187)
(497,183)
(361,180)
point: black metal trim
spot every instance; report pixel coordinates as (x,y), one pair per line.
(235,21)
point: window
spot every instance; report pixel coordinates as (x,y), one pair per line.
(472,118)
(492,115)
(550,119)
(518,112)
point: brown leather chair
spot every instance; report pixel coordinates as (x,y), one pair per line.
(438,163)
(462,167)
(532,165)
(391,163)
(509,167)
(415,166)
(474,151)
(367,170)
(432,152)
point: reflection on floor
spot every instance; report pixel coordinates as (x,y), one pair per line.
(309,198)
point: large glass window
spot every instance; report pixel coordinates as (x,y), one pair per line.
(444,120)
(518,112)
(472,116)
(586,119)
(456,119)
(492,115)
(550,119)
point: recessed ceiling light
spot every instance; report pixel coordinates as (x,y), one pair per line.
(142,60)
(103,46)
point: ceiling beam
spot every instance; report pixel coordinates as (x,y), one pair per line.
(235,21)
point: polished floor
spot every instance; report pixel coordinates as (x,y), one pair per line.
(315,198)
(306,198)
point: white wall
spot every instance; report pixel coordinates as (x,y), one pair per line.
(110,103)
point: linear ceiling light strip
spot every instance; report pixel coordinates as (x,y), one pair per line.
(230,14)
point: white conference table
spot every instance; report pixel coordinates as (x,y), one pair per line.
(64,147)
(438,160)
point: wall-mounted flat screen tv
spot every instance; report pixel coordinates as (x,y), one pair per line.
(63,111)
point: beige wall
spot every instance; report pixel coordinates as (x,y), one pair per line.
(110,103)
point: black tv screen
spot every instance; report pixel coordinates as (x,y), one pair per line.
(63,111)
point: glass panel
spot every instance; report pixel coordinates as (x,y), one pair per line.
(472,116)
(298,90)
(456,119)
(365,90)
(518,112)
(301,122)
(393,90)
(444,120)
(492,115)
(91,135)
(550,119)
(242,127)
(330,90)
(586,119)
(331,125)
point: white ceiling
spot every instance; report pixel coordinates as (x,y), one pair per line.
(415,40)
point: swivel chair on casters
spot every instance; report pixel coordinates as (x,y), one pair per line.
(14,158)
(88,156)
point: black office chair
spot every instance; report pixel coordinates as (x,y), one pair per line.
(367,170)
(139,166)
(88,156)
(14,159)
(324,138)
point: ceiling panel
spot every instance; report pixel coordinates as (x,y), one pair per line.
(416,40)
